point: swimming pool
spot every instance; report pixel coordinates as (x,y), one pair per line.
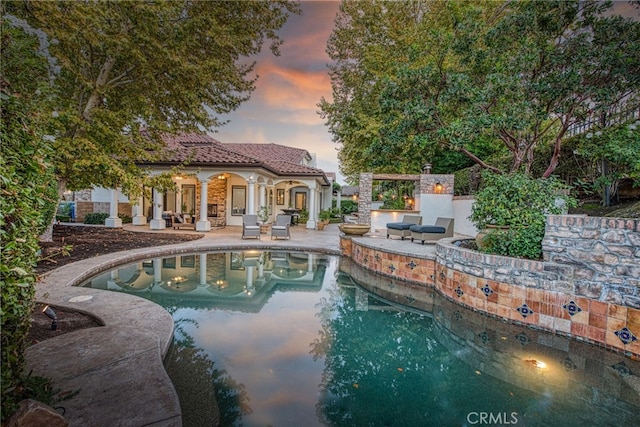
(291,338)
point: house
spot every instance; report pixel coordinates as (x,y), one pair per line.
(220,183)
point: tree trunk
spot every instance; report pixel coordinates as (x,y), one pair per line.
(47,235)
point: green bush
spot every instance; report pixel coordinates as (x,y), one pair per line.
(95,218)
(348,206)
(27,205)
(126,219)
(521,203)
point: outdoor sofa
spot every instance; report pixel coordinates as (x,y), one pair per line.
(402,228)
(432,233)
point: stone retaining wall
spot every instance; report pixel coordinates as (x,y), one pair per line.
(601,256)
(553,294)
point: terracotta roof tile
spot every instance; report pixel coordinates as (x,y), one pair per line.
(270,152)
(201,149)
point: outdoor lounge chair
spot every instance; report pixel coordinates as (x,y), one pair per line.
(402,229)
(250,226)
(432,233)
(281,227)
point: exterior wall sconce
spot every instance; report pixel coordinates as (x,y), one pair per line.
(355,197)
(438,188)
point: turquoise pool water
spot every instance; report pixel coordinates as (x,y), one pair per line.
(290,339)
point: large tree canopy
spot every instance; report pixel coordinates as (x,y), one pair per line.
(121,66)
(485,79)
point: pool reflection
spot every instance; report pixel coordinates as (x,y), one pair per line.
(241,280)
(289,338)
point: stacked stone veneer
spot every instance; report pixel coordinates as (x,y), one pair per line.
(601,256)
(586,286)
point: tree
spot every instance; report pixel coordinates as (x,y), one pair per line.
(127,66)
(484,79)
(78,83)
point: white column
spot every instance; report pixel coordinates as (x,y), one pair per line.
(139,218)
(249,288)
(339,200)
(313,195)
(113,221)
(203,224)
(262,195)
(157,223)
(203,269)
(112,282)
(251,203)
(310,263)
(157,271)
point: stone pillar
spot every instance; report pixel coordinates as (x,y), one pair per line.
(157,223)
(139,218)
(339,200)
(203,224)
(251,203)
(364,200)
(113,221)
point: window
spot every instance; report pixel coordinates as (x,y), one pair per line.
(301,200)
(188,199)
(280,196)
(238,199)
(170,201)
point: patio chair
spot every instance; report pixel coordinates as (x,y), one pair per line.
(432,233)
(250,227)
(281,227)
(402,228)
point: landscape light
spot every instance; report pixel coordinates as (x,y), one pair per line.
(51,315)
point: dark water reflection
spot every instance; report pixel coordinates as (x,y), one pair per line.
(299,339)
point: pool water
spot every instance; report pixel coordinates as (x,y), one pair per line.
(290,339)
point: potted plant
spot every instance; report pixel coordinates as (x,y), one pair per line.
(263,214)
(510,209)
(324,216)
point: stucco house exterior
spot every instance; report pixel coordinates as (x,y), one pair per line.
(220,183)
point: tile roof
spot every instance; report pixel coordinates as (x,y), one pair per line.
(203,150)
(271,152)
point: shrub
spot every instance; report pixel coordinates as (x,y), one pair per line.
(521,203)
(95,218)
(348,206)
(27,205)
(126,219)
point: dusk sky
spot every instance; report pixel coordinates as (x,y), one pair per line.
(282,109)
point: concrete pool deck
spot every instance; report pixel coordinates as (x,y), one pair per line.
(115,373)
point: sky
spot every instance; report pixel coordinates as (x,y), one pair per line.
(283,107)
